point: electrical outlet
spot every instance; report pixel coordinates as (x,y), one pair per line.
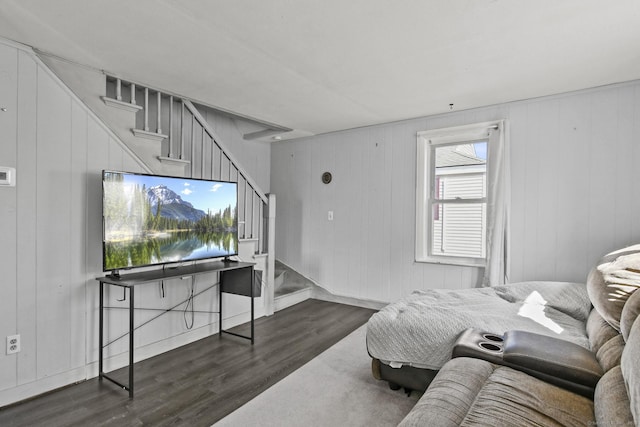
(330,216)
(13,344)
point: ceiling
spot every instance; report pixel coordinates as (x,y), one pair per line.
(317,66)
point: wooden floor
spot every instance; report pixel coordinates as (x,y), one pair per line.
(200,383)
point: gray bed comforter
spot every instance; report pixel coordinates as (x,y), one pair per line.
(420,329)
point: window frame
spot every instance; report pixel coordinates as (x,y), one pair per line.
(427,142)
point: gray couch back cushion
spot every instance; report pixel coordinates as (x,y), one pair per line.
(630,366)
(611,402)
(599,331)
(612,281)
(612,286)
(629,315)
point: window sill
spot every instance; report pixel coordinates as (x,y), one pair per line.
(453,261)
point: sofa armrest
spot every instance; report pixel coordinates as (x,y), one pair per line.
(555,360)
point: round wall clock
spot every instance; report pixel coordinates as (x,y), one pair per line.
(326,177)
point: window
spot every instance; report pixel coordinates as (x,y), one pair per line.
(453,193)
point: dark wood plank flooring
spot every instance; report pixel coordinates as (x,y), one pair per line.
(200,383)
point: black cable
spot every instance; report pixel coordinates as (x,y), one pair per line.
(164,311)
(124,295)
(186,307)
(162,282)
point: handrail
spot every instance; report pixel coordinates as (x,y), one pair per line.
(253,209)
(214,136)
(189,130)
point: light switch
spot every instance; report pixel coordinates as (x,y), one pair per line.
(330,216)
(7,176)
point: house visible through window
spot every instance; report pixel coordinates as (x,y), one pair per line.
(460,200)
(452,190)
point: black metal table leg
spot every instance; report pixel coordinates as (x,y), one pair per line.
(220,306)
(253,278)
(101,328)
(131,341)
(250,295)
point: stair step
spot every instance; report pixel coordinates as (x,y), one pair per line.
(154,136)
(171,160)
(121,104)
(280,277)
(283,301)
(290,287)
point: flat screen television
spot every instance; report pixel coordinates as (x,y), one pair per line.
(151,220)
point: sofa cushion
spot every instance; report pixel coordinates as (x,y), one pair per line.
(451,394)
(610,353)
(599,331)
(630,369)
(611,403)
(630,312)
(612,281)
(475,392)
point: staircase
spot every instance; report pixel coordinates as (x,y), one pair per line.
(290,287)
(170,136)
(167,135)
(178,141)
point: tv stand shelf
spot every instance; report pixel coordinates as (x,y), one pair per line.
(130,281)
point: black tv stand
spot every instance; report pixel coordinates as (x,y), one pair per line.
(131,280)
(227,259)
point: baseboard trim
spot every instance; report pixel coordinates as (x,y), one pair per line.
(324,295)
(45,385)
(42,386)
(293,298)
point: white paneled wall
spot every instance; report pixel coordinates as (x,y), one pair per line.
(575,195)
(8,205)
(251,154)
(50,235)
(53,220)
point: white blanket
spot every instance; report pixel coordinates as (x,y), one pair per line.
(420,330)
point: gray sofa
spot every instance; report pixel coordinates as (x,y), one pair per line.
(499,392)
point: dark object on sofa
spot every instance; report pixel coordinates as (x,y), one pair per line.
(471,391)
(550,359)
(553,360)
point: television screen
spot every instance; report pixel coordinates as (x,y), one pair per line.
(150,219)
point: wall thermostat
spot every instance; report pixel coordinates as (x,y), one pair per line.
(7,176)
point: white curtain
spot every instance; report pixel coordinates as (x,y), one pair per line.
(498,201)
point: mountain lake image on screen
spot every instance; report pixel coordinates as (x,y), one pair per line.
(151,219)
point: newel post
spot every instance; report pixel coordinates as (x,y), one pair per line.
(271,256)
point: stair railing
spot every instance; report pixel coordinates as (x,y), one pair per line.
(189,138)
(254,202)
